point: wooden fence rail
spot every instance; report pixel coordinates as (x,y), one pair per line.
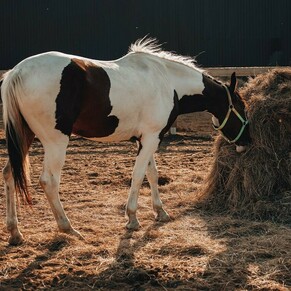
(240,71)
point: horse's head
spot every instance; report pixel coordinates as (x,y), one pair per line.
(232,121)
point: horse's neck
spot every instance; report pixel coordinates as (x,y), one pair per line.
(190,85)
(215,97)
(186,80)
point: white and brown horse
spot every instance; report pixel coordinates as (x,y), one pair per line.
(53,95)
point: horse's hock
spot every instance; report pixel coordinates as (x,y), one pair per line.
(257,183)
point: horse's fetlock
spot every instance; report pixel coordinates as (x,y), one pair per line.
(133,223)
(16,239)
(157,207)
(130,211)
(11,224)
(163,216)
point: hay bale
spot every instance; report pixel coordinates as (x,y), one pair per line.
(257,183)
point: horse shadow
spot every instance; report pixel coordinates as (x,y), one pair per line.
(226,270)
(230,269)
(23,278)
(124,272)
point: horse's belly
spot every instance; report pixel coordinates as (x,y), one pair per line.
(106,130)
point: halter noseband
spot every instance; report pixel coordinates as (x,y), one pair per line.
(231,109)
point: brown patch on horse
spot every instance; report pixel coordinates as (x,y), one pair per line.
(83,104)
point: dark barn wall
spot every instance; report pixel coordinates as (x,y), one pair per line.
(222,33)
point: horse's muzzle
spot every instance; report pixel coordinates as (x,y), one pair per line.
(240,148)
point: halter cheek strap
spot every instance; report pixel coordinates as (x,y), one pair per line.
(231,109)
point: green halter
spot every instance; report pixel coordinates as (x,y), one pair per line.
(231,109)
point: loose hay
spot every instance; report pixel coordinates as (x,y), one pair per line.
(257,183)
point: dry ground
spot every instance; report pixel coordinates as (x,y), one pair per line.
(195,251)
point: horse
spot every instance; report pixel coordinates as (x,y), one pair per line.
(54,95)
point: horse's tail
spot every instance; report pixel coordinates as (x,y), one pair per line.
(18,134)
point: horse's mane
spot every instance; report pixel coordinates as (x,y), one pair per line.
(152,47)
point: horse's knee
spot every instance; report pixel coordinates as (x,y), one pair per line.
(152,172)
(153,177)
(152,169)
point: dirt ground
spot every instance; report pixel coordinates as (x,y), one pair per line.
(196,250)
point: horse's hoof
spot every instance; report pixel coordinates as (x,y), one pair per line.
(16,240)
(163,216)
(133,225)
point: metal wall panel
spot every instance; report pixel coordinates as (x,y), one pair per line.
(221,33)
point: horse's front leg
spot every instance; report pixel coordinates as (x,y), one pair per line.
(152,175)
(148,145)
(16,237)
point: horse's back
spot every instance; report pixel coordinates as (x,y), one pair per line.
(112,100)
(45,66)
(140,86)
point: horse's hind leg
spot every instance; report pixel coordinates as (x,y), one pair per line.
(54,159)
(11,217)
(152,175)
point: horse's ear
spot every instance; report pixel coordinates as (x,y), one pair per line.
(233,82)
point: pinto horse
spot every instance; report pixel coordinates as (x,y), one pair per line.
(53,95)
